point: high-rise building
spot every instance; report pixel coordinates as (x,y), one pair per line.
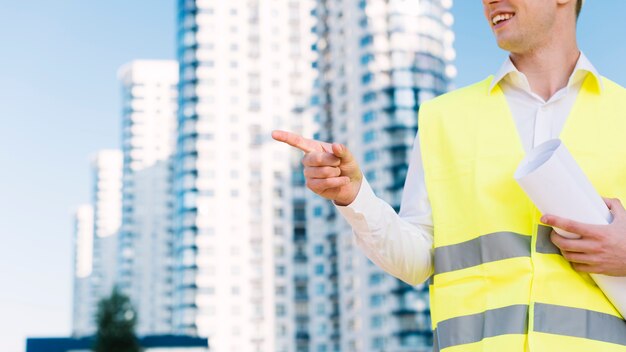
(106,219)
(149,99)
(82,323)
(244,70)
(378,60)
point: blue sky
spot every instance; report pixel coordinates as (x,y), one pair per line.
(60,102)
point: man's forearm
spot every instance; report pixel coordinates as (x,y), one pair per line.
(399,247)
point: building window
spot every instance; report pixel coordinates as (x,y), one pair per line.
(319,269)
(370,156)
(319,249)
(320,289)
(377,300)
(363,23)
(281,311)
(366,40)
(371,175)
(366,58)
(376,278)
(377,321)
(369,136)
(369,97)
(367,78)
(378,342)
(369,116)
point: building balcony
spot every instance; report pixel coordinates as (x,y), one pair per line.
(301,278)
(301,297)
(402,289)
(333,275)
(333,255)
(302,336)
(299,237)
(402,311)
(300,258)
(413,331)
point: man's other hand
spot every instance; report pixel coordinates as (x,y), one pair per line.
(601,249)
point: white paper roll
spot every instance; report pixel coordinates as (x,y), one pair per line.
(558,186)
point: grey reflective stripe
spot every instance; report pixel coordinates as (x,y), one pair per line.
(475,327)
(484,249)
(435,341)
(544,244)
(588,324)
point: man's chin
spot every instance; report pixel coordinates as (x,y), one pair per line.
(506,44)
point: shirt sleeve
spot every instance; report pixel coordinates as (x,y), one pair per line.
(401,244)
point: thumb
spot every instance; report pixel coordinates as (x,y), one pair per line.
(342,152)
(616,207)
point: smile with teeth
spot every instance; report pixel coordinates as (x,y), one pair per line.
(502,17)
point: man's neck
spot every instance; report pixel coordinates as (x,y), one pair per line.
(547,69)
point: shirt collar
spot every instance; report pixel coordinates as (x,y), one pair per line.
(581,70)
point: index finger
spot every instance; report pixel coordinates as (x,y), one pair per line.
(575,227)
(297,141)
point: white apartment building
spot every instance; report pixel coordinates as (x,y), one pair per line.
(83,256)
(378,60)
(145,257)
(107,208)
(245,70)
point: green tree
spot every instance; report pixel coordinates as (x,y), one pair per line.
(116,321)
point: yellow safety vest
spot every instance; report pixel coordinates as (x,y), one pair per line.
(499,283)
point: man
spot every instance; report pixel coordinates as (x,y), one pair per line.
(501,280)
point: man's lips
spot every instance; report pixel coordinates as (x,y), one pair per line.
(498,20)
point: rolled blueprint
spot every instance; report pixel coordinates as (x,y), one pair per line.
(558,186)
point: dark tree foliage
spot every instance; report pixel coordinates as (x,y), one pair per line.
(116,321)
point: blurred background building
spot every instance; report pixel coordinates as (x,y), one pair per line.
(145,257)
(245,70)
(95,267)
(377,61)
(82,305)
(234,200)
(204,221)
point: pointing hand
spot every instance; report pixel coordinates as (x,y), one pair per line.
(330,169)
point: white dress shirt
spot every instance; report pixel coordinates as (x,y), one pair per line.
(401,244)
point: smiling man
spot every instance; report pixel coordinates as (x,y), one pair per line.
(501,279)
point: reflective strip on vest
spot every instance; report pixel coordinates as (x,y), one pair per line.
(484,249)
(544,244)
(475,327)
(551,319)
(560,320)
